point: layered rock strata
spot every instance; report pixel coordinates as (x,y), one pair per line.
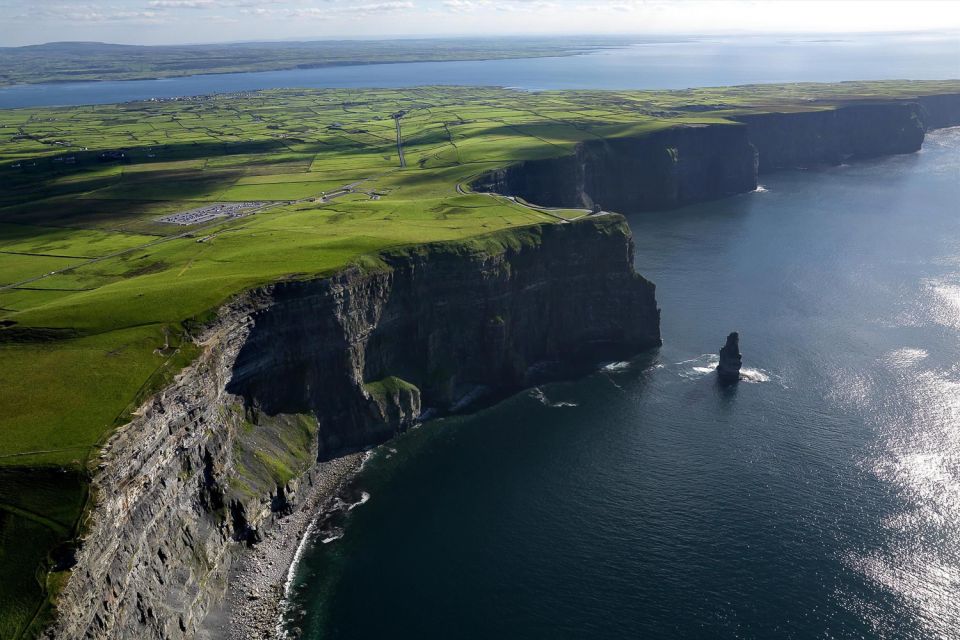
(302,371)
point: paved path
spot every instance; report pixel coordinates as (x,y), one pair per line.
(403,162)
(544,210)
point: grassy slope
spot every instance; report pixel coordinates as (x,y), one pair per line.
(85,345)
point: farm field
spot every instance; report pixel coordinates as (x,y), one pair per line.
(98,295)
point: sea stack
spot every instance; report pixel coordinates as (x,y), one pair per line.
(730,359)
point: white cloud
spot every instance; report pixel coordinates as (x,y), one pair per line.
(465,6)
(182,4)
(351,9)
(172,21)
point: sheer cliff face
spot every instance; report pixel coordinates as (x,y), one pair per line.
(302,370)
(661,170)
(940,111)
(788,140)
(447,327)
(688,164)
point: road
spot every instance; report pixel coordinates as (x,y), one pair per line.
(548,211)
(403,162)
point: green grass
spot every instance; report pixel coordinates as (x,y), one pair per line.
(388,387)
(38,511)
(80,349)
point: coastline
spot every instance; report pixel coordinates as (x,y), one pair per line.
(257,582)
(321,65)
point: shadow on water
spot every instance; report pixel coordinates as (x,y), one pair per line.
(726,391)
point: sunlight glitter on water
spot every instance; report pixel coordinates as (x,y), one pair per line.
(920,459)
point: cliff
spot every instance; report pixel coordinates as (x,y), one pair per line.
(300,371)
(687,164)
(833,136)
(940,111)
(660,170)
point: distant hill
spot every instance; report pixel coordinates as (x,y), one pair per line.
(95,61)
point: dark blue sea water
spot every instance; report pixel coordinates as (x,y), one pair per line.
(819,500)
(693,62)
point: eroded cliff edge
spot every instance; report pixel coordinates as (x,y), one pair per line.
(659,170)
(686,164)
(300,371)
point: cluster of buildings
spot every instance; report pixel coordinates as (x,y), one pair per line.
(211,212)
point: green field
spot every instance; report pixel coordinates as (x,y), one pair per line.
(96,293)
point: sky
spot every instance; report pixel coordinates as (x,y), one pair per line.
(200,21)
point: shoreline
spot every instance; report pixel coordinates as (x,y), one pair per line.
(258,580)
(332,65)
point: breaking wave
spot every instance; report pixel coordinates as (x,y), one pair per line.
(537,394)
(706,364)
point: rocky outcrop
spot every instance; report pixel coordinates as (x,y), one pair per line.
(297,372)
(660,170)
(728,369)
(835,135)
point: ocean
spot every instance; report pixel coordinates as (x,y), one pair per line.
(820,498)
(688,62)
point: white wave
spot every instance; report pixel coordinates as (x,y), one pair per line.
(612,381)
(367,455)
(706,364)
(364,499)
(292,569)
(331,538)
(537,394)
(703,357)
(754,375)
(701,365)
(617,366)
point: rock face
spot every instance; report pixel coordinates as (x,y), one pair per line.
(730,359)
(660,170)
(833,136)
(687,164)
(426,332)
(940,111)
(300,371)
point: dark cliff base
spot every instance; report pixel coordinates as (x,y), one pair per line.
(688,164)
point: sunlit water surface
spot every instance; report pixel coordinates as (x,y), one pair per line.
(820,499)
(687,62)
